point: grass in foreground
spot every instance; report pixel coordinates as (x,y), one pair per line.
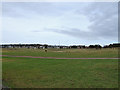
(52,73)
(42,73)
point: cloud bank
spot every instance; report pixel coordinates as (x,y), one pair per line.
(86,22)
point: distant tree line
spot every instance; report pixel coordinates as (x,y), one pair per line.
(45,46)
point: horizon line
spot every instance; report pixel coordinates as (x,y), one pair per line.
(62,44)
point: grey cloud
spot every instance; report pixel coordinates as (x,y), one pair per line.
(17,9)
(76,32)
(22,9)
(100,10)
(10,9)
(103,16)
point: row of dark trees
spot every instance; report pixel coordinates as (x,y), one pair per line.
(112,45)
(38,46)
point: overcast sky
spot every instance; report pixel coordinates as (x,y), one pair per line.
(64,23)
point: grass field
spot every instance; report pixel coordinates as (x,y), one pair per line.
(53,73)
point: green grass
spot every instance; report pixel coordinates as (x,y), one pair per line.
(65,52)
(52,73)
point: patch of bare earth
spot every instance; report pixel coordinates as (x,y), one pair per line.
(57,51)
